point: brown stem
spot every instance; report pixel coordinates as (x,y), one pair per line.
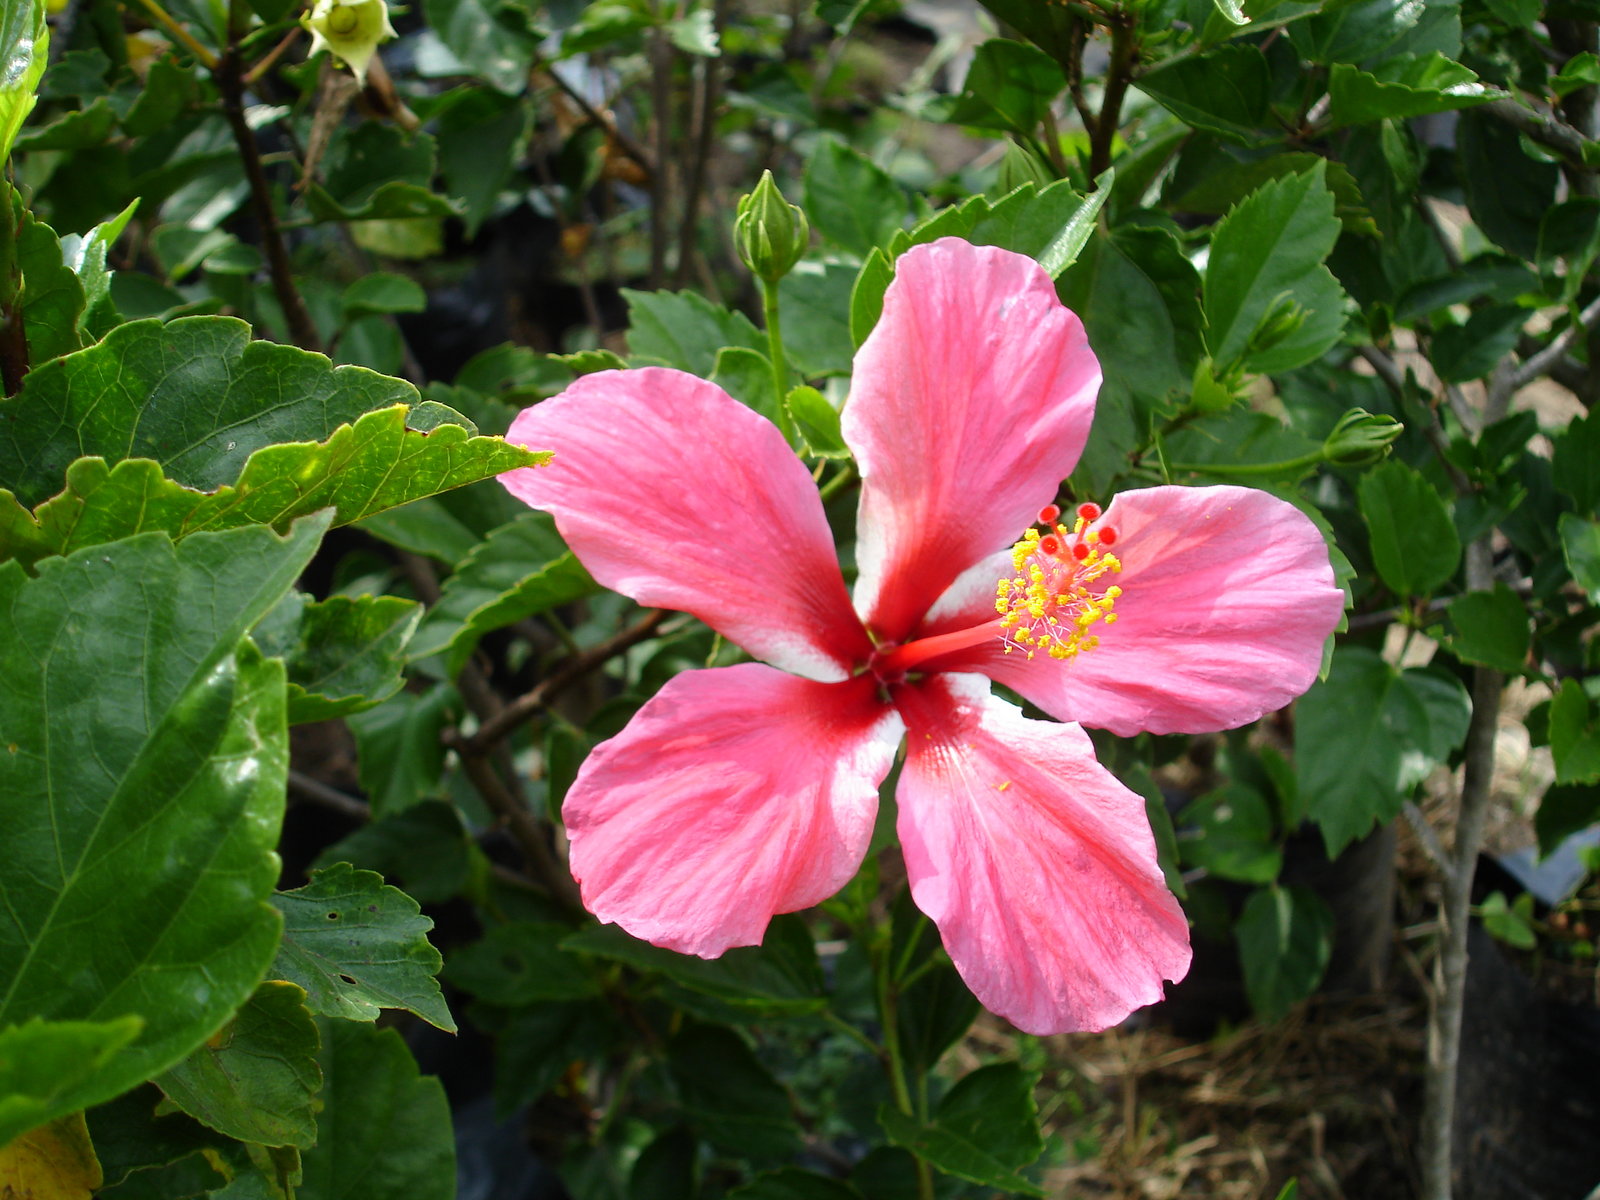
(230,85)
(1124,52)
(563,677)
(708,90)
(661,102)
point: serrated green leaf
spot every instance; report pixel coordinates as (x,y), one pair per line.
(356,945)
(42,1063)
(142,778)
(520,569)
(86,255)
(1227,181)
(1507,192)
(1367,735)
(1473,349)
(52,294)
(1267,252)
(1050,225)
(24,47)
(1574,735)
(361,469)
(1414,543)
(729,1096)
(344,654)
(685,330)
(1009,86)
(399,752)
(1223,91)
(392,1136)
(426,848)
(814,299)
(1491,628)
(256,1077)
(1580,545)
(746,375)
(1285,938)
(378,172)
(1411,87)
(866,297)
(849,199)
(984,1131)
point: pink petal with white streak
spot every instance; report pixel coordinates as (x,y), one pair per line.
(970,402)
(1038,867)
(1227,598)
(673,493)
(733,795)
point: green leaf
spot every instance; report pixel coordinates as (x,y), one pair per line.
(256,1077)
(490,36)
(1229,832)
(1050,226)
(1473,349)
(1491,628)
(1285,938)
(814,300)
(779,978)
(378,172)
(24,46)
(1507,923)
(137,1145)
(399,751)
(985,1130)
(1414,542)
(52,294)
(426,847)
(361,469)
(1412,87)
(356,945)
(746,375)
(818,423)
(1226,181)
(344,654)
(390,1133)
(43,1064)
(685,330)
(1265,254)
(1580,545)
(1367,735)
(521,963)
(866,297)
(1574,735)
(534,1047)
(1564,810)
(849,199)
(1009,86)
(1508,193)
(791,1183)
(728,1096)
(86,255)
(482,139)
(1579,72)
(667,1167)
(142,778)
(520,569)
(1223,91)
(381,292)
(694,34)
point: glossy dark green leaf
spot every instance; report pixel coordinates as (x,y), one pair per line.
(82,129)
(1266,262)
(1010,86)
(1407,88)
(52,295)
(482,139)
(489,35)
(535,1046)
(1414,542)
(399,752)
(24,48)
(45,1064)
(378,172)
(361,469)
(1579,72)
(1048,26)
(791,1183)
(935,1010)
(255,1079)
(814,301)
(1574,735)
(985,1130)
(1473,349)
(685,330)
(386,1127)
(521,963)
(850,200)
(426,848)
(1491,628)
(1353,32)
(1580,545)
(1051,225)
(131,1139)
(1575,463)
(1285,938)
(1223,91)
(357,945)
(1508,193)
(344,654)
(730,1098)
(1229,832)
(142,778)
(1564,810)
(520,569)
(1367,735)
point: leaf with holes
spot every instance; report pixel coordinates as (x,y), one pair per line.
(356,945)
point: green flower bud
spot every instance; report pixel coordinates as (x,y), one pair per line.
(350,29)
(1360,438)
(1281,321)
(770,232)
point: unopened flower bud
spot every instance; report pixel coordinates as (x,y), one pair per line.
(1281,321)
(350,29)
(1360,438)
(770,232)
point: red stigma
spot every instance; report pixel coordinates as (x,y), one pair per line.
(1108,536)
(1050,544)
(1080,552)
(1089,512)
(1049,513)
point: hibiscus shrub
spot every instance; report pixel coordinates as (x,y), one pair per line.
(778,535)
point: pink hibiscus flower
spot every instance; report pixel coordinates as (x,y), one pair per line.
(741,792)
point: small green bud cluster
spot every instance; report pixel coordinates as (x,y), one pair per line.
(1360,438)
(770,232)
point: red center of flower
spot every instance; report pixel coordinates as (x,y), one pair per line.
(1053,603)
(1058,596)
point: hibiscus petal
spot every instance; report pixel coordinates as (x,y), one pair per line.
(1038,867)
(970,402)
(1227,598)
(673,493)
(733,795)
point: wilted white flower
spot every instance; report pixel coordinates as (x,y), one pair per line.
(350,29)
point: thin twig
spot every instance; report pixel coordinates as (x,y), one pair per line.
(612,130)
(1124,51)
(660,100)
(1542,128)
(707,97)
(1540,363)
